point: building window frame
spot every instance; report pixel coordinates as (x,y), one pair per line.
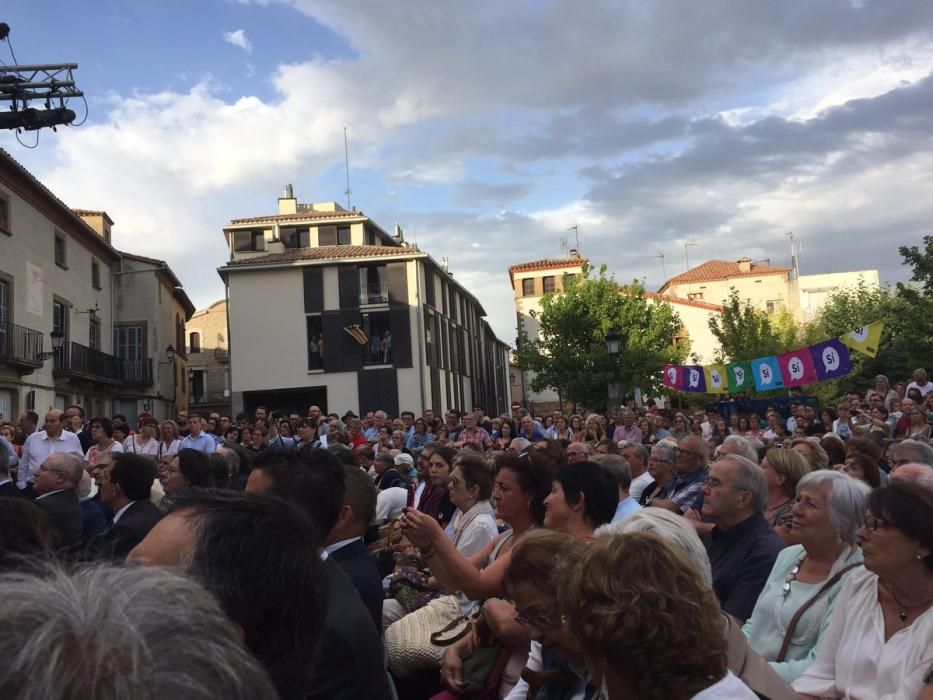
(528,287)
(95,274)
(549,284)
(60,250)
(6,214)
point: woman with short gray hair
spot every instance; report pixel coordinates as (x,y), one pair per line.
(661,467)
(828,510)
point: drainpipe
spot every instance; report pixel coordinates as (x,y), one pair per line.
(420,324)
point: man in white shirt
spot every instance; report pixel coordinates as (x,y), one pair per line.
(42,443)
(637,457)
(920,383)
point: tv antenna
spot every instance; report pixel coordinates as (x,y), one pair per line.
(51,86)
(663,266)
(576,229)
(564,247)
(346,156)
(687,245)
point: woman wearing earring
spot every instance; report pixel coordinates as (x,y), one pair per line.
(827,512)
(879,643)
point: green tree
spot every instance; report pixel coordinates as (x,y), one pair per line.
(922,262)
(570,354)
(745,332)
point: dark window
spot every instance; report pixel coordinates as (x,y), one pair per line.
(550,285)
(429,287)
(378,329)
(194,342)
(528,288)
(343,235)
(248,241)
(568,278)
(5,213)
(327,235)
(6,302)
(60,251)
(315,342)
(93,334)
(60,324)
(295,237)
(369,237)
(198,387)
(429,343)
(95,274)
(374,285)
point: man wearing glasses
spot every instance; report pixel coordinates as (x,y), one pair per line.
(55,483)
(686,491)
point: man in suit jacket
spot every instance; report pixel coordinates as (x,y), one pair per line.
(124,488)
(344,543)
(56,480)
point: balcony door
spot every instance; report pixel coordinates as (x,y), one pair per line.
(60,312)
(6,302)
(128,347)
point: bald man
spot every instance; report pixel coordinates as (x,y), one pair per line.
(53,439)
(914,472)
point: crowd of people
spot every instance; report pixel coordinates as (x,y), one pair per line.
(647,553)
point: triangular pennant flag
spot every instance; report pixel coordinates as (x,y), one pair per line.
(716,379)
(865,339)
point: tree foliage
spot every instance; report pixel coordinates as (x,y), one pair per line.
(907,312)
(570,354)
(745,332)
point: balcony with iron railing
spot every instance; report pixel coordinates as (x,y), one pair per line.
(76,360)
(135,372)
(377,355)
(20,346)
(374,293)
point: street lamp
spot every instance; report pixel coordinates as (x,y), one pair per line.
(613,341)
(170,356)
(58,341)
(613,345)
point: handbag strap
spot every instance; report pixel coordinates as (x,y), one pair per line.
(438,639)
(785,645)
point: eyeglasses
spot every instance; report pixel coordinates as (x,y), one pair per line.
(541,620)
(872,523)
(680,450)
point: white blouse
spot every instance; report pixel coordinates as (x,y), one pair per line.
(853,660)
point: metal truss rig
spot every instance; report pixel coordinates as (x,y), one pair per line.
(52,85)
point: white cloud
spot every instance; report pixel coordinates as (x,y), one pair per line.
(238,38)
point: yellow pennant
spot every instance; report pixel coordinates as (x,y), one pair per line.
(716,379)
(865,339)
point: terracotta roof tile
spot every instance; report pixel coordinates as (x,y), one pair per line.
(684,302)
(546,264)
(333,252)
(713,270)
(300,216)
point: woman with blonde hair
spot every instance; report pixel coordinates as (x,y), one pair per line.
(611,605)
(783,470)
(812,451)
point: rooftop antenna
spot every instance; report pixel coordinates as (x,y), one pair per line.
(346,156)
(564,248)
(663,266)
(576,229)
(688,244)
(794,255)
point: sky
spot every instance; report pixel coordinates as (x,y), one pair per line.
(489,129)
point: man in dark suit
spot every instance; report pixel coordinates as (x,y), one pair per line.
(124,490)
(258,556)
(56,480)
(344,543)
(351,661)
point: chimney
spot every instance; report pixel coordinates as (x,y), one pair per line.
(399,234)
(97,220)
(745,264)
(574,253)
(288,204)
(445,263)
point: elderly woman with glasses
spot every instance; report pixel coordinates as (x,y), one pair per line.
(661,468)
(879,643)
(827,511)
